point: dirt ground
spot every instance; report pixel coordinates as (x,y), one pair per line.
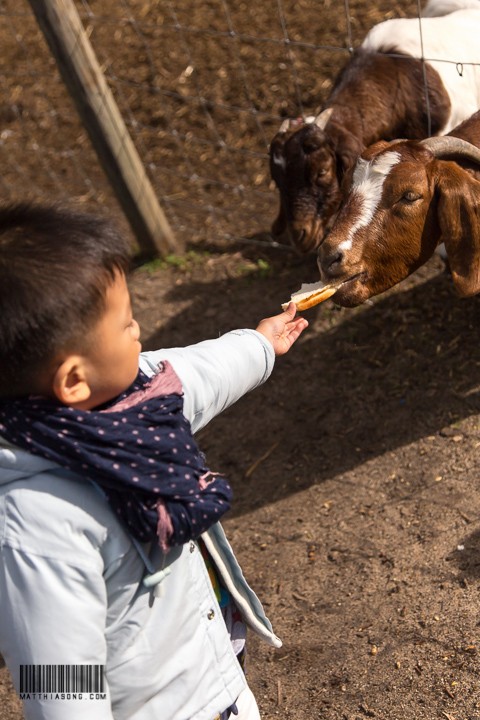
(355,470)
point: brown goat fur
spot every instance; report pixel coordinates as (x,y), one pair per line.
(375,96)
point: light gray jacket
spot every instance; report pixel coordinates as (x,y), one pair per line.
(71,579)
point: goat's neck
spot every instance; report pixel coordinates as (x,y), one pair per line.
(365,125)
(379,97)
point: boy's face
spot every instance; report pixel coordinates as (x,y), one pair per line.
(111,361)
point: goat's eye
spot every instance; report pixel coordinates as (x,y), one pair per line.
(410,196)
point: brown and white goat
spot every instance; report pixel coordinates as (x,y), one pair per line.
(405,198)
(380,94)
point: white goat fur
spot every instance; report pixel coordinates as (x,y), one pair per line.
(434,8)
(440,44)
(368,180)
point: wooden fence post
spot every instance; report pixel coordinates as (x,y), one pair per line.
(82,75)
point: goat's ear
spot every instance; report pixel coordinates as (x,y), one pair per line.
(348,158)
(459,220)
(348,150)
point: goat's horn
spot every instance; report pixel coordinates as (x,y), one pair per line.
(322,118)
(449,145)
(284,126)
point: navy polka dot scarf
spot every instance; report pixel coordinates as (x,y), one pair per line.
(139,448)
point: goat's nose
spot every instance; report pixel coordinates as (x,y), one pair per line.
(330,264)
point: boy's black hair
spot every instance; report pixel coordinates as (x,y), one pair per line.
(55,267)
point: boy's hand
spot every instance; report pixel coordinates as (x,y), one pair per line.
(282,330)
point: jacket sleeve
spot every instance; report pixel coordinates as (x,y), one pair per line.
(216,373)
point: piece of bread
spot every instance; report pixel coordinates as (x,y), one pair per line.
(311,294)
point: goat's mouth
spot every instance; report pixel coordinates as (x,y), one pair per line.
(352,291)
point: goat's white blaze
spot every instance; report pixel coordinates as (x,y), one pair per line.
(368,180)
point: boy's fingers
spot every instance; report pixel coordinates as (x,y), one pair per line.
(290,310)
(299,322)
(295,328)
(294,334)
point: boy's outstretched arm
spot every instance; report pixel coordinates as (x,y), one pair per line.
(283,330)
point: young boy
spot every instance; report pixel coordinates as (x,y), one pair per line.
(120,596)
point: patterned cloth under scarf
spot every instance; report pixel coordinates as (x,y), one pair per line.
(139,448)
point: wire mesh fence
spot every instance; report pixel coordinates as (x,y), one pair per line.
(202,87)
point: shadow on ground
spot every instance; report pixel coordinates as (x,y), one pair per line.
(359,383)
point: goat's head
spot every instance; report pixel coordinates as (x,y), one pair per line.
(303,166)
(403,201)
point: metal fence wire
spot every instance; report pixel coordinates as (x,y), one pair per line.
(202,87)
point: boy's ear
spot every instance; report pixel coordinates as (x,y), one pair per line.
(70,384)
